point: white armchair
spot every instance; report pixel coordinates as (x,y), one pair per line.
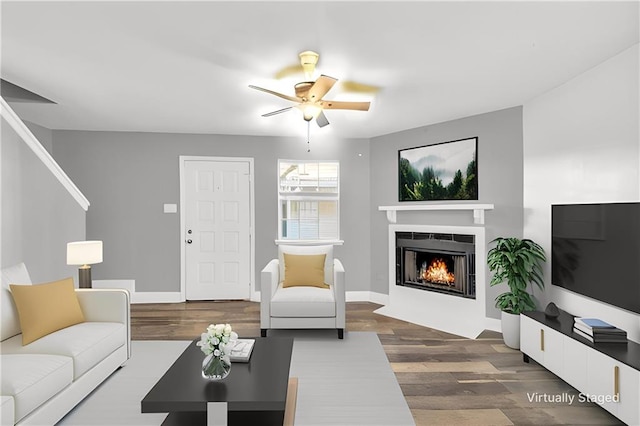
(301,305)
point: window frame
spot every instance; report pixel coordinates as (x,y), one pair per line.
(286,196)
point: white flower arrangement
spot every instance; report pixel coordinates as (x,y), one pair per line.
(218,340)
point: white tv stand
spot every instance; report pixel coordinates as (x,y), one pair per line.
(607,372)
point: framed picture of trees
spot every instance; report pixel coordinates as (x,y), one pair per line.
(442,171)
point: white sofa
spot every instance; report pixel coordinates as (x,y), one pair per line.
(43,380)
(302,306)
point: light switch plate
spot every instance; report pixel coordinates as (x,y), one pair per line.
(171,208)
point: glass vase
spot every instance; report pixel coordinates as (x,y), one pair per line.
(216,367)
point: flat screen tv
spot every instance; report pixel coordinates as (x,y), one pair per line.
(596,251)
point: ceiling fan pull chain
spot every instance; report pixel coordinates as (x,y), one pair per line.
(308,130)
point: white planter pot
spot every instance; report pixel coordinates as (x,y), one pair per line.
(511,330)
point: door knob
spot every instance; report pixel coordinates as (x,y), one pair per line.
(189,241)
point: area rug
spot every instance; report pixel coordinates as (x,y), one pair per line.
(340,382)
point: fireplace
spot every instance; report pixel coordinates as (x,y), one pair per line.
(443,263)
(437,308)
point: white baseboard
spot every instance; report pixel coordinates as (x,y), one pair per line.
(367,296)
(156,297)
(493,324)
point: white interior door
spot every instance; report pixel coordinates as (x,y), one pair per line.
(217,220)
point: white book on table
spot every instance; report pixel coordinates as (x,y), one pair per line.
(593,323)
(241,352)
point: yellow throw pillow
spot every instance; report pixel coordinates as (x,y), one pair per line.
(45,308)
(304,270)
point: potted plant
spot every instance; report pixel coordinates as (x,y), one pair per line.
(519,263)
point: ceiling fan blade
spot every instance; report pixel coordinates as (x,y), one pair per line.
(321,119)
(280,95)
(355,87)
(269,114)
(289,70)
(323,84)
(358,106)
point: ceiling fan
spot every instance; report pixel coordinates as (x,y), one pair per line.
(309,94)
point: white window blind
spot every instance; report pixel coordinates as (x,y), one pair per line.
(309,196)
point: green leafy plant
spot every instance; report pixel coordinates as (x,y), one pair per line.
(519,263)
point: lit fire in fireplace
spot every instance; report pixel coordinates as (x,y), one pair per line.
(437,272)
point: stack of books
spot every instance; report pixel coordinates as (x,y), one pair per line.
(597,331)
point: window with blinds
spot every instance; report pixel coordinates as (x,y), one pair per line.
(309,198)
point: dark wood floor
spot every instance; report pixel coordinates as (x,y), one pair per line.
(446,379)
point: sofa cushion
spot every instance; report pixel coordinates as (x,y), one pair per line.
(86,343)
(45,308)
(304,270)
(310,302)
(33,379)
(7,411)
(300,249)
(16,274)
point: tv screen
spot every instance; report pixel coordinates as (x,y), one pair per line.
(596,251)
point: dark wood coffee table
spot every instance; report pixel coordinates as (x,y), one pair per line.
(253,393)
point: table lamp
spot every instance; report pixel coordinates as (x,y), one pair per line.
(84,253)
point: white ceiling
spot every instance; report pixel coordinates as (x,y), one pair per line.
(185,66)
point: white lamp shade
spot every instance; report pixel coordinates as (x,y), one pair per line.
(84,252)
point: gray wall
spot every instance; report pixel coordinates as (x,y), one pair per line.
(44,135)
(39,216)
(500,166)
(129,176)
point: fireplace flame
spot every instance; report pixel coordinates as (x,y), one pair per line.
(438,273)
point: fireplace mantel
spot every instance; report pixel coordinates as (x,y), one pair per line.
(478,210)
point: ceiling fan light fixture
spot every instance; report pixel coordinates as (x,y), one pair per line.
(310,112)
